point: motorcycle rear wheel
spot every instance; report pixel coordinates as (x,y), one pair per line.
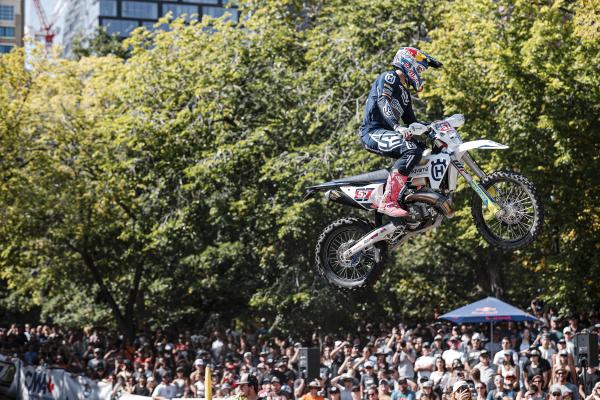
(522,215)
(361,269)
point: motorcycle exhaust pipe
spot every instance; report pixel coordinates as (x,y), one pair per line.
(437,200)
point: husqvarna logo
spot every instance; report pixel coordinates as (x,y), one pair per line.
(438,168)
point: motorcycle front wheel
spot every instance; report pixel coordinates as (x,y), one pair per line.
(520,217)
(359,270)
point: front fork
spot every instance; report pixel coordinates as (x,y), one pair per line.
(486,197)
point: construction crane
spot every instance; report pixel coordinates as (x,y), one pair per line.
(49,31)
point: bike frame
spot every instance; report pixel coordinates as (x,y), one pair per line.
(456,152)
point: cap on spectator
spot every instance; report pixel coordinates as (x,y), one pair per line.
(281,364)
(402,381)
(368,364)
(248,379)
(438,337)
(347,377)
(562,341)
(427,384)
(556,388)
(534,352)
(476,336)
(150,379)
(563,352)
(484,353)
(198,361)
(567,330)
(314,384)
(180,369)
(337,343)
(458,385)
(454,339)
(334,389)
(275,380)
(356,388)
(266,380)
(247,354)
(426,345)
(97,350)
(384,382)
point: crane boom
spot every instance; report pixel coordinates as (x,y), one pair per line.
(47,26)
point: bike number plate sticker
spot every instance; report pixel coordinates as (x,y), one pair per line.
(366,196)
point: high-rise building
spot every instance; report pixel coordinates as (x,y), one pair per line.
(11,24)
(82,17)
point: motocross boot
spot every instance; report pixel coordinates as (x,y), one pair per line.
(389,202)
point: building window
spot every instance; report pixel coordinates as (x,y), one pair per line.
(7,13)
(217,12)
(139,9)
(5,49)
(108,8)
(216,2)
(6,31)
(179,9)
(121,27)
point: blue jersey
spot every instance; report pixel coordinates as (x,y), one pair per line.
(388,105)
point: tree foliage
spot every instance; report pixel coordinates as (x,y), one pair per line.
(168,188)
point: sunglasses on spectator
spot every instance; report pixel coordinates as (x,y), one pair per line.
(556,394)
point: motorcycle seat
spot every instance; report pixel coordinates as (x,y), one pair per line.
(362,179)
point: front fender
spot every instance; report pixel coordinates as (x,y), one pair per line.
(483,144)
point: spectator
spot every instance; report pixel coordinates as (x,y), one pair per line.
(473,352)
(546,349)
(334,393)
(481,391)
(452,353)
(560,378)
(595,394)
(506,349)
(403,392)
(509,369)
(440,376)
(486,369)
(592,378)
(140,388)
(313,388)
(384,390)
(536,366)
(425,364)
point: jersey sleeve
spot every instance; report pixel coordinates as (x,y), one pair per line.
(386,87)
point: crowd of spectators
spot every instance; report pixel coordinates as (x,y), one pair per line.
(386,361)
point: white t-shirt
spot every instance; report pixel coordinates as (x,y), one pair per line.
(427,362)
(499,356)
(451,355)
(169,391)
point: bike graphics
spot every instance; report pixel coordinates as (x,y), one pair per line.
(506,209)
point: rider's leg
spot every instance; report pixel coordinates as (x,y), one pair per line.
(396,182)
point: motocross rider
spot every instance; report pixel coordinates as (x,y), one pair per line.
(387,112)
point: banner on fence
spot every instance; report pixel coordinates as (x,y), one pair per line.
(9,377)
(18,381)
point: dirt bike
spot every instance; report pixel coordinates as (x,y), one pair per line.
(506,209)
